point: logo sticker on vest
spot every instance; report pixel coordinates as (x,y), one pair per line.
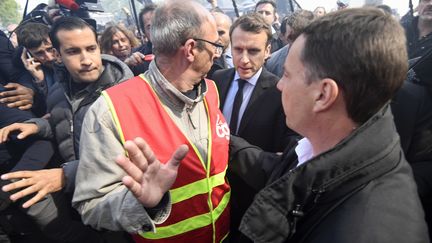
(222,128)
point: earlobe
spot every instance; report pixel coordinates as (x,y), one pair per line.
(327,94)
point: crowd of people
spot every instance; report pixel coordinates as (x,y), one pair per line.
(316,127)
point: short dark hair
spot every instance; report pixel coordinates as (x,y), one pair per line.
(273,3)
(252,22)
(32,35)
(148,8)
(364,51)
(385,8)
(297,21)
(68,23)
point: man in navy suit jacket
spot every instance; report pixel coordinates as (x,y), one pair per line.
(261,120)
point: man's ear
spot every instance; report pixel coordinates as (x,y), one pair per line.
(189,49)
(267,51)
(327,92)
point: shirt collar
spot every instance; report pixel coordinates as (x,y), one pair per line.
(163,87)
(253,80)
(304,151)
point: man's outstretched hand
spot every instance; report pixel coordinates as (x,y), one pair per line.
(147,178)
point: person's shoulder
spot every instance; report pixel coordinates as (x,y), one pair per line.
(411,92)
(99,111)
(222,74)
(269,76)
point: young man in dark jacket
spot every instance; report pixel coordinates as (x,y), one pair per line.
(81,79)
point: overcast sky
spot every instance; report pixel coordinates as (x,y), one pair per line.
(400,5)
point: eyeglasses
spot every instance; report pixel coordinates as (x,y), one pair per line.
(219,47)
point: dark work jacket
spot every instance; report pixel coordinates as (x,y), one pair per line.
(416,46)
(362,190)
(412,109)
(31,153)
(8,72)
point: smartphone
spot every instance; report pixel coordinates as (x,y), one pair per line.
(30,56)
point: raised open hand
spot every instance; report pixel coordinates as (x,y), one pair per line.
(148,179)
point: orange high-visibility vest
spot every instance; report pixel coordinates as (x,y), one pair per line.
(200,195)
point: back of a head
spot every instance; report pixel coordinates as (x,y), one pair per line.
(68,24)
(221,17)
(32,35)
(364,51)
(298,22)
(174,23)
(148,8)
(252,22)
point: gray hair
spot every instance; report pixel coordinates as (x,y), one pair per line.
(174,23)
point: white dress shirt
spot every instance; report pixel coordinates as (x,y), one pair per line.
(304,151)
(248,88)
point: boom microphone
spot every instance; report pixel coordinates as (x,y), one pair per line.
(69,4)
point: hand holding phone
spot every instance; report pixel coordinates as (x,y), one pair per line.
(32,65)
(30,57)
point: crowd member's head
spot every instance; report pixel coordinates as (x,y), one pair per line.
(334,75)
(223,23)
(385,8)
(35,38)
(293,25)
(250,44)
(267,8)
(76,42)
(54,13)
(145,19)
(319,11)
(424,10)
(118,41)
(13,37)
(184,34)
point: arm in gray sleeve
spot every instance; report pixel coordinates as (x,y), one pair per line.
(100,196)
(44,127)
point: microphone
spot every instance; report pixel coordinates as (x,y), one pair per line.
(69,4)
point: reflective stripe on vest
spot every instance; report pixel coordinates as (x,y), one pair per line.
(189,191)
(190,223)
